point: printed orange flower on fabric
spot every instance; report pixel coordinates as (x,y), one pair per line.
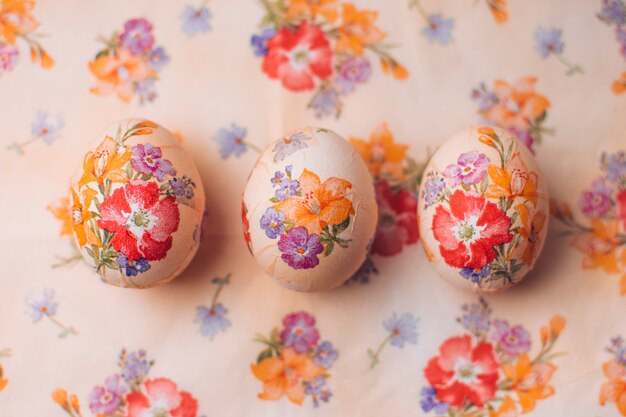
(516,107)
(18,23)
(130,63)
(613,390)
(3,379)
(602,239)
(488,370)
(321,46)
(295,362)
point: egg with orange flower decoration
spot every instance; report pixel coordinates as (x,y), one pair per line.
(309,210)
(137,205)
(483,209)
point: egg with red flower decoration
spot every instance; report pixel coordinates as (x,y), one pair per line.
(137,206)
(309,210)
(483,209)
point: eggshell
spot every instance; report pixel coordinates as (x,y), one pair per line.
(483,209)
(137,205)
(309,210)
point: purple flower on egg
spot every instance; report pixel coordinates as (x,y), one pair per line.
(325,354)
(287,188)
(9,56)
(47,127)
(41,304)
(231,140)
(277,178)
(432,188)
(147,159)
(137,36)
(512,340)
(597,201)
(439,29)
(212,320)
(105,400)
(259,41)
(470,169)
(273,223)
(196,20)
(299,331)
(299,249)
(289,145)
(549,42)
(402,329)
(183,187)
(352,71)
(131,269)
(476,275)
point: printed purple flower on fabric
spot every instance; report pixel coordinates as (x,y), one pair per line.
(105,400)
(9,57)
(439,29)
(196,21)
(325,354)
(618,349)
(326,102)
(145,90)
(475,318)
(158,59)
(430,403)
(512,340)
(486,98)
(614,165)
(259,41)
(402,329)
(525,137)
(299,249)
(613,12)
(273,223)
(352,71)
(231,141)
(135,366)
(432,187)
(47,127)
(470,169)
(41,304)
(212,320)
(289,145)
(318,390)
(147,159)
(548,41)
(475,275)
(597,201)
(299,331)
(137,36)
(287,188)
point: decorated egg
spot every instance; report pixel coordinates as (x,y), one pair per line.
(309,210)
(137,206)
(483,209)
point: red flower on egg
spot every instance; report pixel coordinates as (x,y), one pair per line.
(296,56)
(397,220)
(468,231)
(142,223)
(462,372)
(161,398)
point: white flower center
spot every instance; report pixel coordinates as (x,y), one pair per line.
(138,220)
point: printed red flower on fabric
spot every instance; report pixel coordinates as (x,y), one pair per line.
(296,56)
(462,372)
(471,228)
(162,398)
(143,224)
(397,220)
(621,207)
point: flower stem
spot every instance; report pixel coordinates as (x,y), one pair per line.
(375,356)
(571,68)
(253,147)
(67,330)
(67,261)
(220,285)
(420,8)
(19,147)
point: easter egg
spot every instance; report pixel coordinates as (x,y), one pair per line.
(483,209)
(137,205)
(309,210)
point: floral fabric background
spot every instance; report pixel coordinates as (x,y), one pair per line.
(396,78)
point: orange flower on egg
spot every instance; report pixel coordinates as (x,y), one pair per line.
(284,375)
(320,204)
(381,154)
(324,8)
(599,246)
(518,104)
(357,30)
(16,18)
(80,215)
(118,73)
(530,381)
(614,390)
(61,211)
(105,163)
(513,181)
(530,230)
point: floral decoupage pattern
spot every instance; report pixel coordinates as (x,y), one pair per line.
(295,362)
(488,211)
(601,238)
(17,23)
(125,207)
(516,107)
(3,379)
(322,46)
(130,392)
(613,390)
(488,370)
(613,14)
(129,63)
